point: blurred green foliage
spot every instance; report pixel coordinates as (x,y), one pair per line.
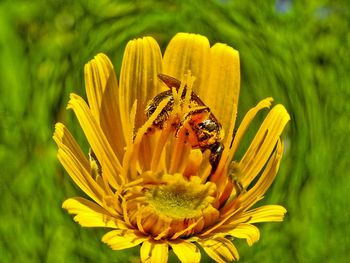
(295,51)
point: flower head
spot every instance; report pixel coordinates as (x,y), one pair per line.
(162,169)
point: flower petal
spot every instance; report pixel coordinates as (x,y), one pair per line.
(254,194)
(263,144)
(75,163)
(266,178)
(102,92)
(220,249)
(97,140)
(187,252)
(221,91)
(229,151)
(267,213)
(154,252)
(248,118)
(188,52)
(89,214)
(122,239)
(138,77)
(250,232)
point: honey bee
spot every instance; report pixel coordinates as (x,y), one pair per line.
(206,128)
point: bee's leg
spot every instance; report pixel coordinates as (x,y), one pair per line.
(191,119)
(216,150)
(235,176)
(95,166)
(185,131)
(238,186)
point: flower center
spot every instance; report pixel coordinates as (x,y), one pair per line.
(181,199)
(172,207)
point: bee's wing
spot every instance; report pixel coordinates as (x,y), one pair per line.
(201,103)
(170,81)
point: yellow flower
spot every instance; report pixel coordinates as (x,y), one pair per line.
(151,176)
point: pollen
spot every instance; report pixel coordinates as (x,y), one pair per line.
(181,199)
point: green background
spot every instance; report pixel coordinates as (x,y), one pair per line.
(294,51)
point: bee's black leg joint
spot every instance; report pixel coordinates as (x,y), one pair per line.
(216,150)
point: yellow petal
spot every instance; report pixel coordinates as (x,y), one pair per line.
(250,232)
(186,252)
(154,252)
(263,144)
(221,91)
(220,249)
(89,214)
(255,193)
(102,93)
(97,141)
(188,52)
(75,163)
(122,239)
(229,150)
(248,118)
(138,77)
(267,213)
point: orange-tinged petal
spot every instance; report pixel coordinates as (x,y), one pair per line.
(154,252)
(221,91)
(89,214)
(142,62)
(187,252)
(102,93)
(220,249)
(250,232)
(97,140)
(188,52)
(121,239)
(75,163)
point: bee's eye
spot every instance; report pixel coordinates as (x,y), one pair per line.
(208,125)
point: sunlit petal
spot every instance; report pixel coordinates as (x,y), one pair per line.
(187,252)
(102,93)
(267,213)
(220,249)
(188,52)
(97,140)
(224,72)
(263,143)
(250,232)
(154,252)
(142,58)
(76,163)
(89,214)
(122,239)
